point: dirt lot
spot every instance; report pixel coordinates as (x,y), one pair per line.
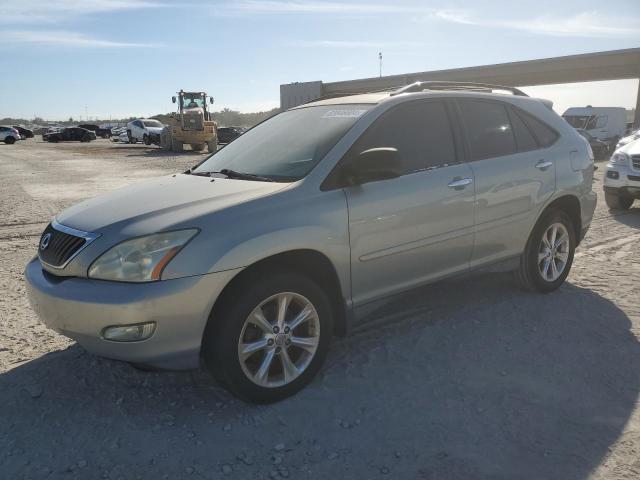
(469,379)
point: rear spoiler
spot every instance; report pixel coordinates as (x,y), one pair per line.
(547,103)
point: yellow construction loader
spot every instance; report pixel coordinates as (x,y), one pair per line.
(192,124)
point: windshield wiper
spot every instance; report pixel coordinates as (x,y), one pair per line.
(244,176)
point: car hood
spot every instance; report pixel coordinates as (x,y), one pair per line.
(631,148)
(167,202)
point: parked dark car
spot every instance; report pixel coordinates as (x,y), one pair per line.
(228,134)
(70,134)
(24,132)
(600,148)
(100,132)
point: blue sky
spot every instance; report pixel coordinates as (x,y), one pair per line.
(60,58)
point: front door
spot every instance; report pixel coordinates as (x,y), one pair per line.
(417,227)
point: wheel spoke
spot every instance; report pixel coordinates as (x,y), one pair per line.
(259,320)
(249,349)
(554,269)
(554,233)
(303,316)
(262,375)
(307,343)
(541,256)
(563,256)
(545,268)
(288,367)
(563,238)
(283,304)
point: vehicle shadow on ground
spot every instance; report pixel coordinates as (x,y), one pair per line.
(630,218)
(465,379)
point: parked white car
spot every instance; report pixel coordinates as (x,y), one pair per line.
(634,135)
(608,124)
(145,130)
(9,135)
(622,177)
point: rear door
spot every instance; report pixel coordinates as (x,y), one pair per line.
(514,175)
(414,228)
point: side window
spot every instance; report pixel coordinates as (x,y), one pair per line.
(602,120)
(421,132)
(488,129)
(524,139)
(545,135)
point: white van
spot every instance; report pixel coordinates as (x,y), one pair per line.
(605,123)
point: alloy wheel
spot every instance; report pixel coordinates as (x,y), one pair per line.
(279,339)
(553,253)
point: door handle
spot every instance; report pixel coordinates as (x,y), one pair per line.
(542,165)
(459,183)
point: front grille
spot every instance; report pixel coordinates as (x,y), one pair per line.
(635,161)
(57,247)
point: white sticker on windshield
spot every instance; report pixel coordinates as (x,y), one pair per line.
(343,113)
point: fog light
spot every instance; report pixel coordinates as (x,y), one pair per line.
(129,333)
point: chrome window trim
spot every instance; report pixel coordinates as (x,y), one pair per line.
(88,237)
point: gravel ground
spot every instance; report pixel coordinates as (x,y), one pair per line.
(467,379)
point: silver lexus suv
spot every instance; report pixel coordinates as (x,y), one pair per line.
(251,261)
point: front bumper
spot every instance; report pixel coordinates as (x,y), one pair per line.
(81,308)
(622,179)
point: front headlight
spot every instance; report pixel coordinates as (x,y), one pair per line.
(141,259)
(620,159)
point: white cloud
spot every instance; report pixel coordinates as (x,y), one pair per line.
(353,44)
(52,11)
(314,6)
(66,39)
(584,24)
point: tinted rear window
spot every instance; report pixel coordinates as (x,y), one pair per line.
(545,135)
(524,139)
(488,129)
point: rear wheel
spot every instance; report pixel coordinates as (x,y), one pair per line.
(270,337)
(618,201)
(548,256)
(10,140)
(197,147)
(178,146)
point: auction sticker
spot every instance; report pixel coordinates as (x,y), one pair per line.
(344,114)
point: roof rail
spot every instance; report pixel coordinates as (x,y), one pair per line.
(445,85)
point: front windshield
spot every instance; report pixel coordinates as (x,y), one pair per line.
(580,121)
(286,147)
(152,123)
(193,101)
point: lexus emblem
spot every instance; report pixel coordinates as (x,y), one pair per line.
(44,243)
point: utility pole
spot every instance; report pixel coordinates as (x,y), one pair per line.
(380,58)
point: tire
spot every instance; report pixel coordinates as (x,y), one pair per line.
(229,328)
(530,274)
(197,147)
(85,139)
(212,146)
(617,201)
(178,146)
(10,140)
(146,140)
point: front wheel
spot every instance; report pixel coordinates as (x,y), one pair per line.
(618,201)
(10,140)
(146,139)
(548,256)
(270,337)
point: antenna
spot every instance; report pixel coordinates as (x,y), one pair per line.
(380,58)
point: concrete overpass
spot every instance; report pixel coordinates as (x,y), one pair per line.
(589,67)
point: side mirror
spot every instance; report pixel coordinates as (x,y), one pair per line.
(173,99)
(211,100)
(373,165)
